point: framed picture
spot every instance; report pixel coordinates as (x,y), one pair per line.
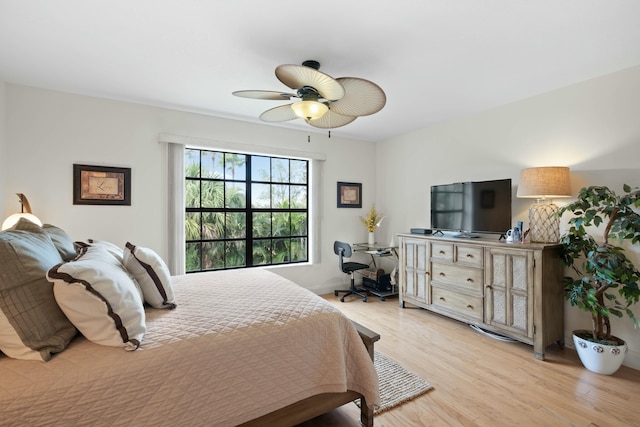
(101,185)
(349,195)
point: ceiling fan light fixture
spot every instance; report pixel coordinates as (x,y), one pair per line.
(349,97)
(309,110)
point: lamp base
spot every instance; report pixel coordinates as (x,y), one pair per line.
(544,223)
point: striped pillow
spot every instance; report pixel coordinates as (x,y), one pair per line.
(152,274)
(100,298)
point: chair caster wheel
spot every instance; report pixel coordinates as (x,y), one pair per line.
(336,293)
(382,298)
(342,299)
(364,299)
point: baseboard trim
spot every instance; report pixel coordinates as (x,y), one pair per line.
(327,288)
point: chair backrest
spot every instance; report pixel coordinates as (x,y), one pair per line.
(343,250)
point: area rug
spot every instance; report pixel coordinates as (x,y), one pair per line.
(397,385)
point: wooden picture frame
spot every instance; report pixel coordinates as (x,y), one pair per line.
(101,185)
(349,195)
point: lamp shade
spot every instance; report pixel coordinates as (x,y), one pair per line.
(13,220)
(309,110)
(25,213)
(547,182)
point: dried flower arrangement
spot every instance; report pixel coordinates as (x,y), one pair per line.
(372,220)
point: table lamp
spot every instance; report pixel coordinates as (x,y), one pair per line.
(544,184)
(25,212)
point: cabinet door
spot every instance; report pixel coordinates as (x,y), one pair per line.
(415,278)
(508,290)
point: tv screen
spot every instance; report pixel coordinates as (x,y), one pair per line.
(472,207)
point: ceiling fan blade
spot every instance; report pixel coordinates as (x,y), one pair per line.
(264,94)
(298,76)
(361,98)
(331,120)
(282,113)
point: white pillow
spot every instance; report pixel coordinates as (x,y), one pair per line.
(100,298)
(152,274)
(112,248)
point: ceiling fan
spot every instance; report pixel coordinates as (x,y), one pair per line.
(324,102)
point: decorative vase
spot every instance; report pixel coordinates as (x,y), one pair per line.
(372,238)
(599,358)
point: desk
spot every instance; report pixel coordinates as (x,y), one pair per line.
(378,251)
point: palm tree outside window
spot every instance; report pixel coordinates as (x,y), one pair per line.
(244,210)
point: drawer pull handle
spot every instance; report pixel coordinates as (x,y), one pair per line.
(469,279)
(470,307)
(442,299)
(469,256)
(442,274)
(441,252)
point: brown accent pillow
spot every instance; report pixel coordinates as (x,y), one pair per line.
(32,326)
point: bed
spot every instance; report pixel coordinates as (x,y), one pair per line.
(242,347)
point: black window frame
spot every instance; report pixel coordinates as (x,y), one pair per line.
(248,210)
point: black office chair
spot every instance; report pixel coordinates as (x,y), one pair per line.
(343,250)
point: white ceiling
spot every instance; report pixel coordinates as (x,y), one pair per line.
(435,59)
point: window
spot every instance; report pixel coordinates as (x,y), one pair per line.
(244,210)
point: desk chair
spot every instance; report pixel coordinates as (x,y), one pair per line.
(343,250)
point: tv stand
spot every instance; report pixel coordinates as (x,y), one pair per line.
(466,235)
(511,290)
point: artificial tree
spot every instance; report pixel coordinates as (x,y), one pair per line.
(606,281)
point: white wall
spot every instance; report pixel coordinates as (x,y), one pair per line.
(47,132)
(3,150)
(592,127)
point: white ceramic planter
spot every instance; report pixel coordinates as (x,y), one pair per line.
(372,238)
(600,358)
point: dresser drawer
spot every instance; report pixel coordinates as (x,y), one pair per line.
(465,305)
(469,255)
(463,277)
(442,251)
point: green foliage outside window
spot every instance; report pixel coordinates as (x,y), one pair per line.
(244,210)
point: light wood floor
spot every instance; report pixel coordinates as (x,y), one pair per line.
(479,381)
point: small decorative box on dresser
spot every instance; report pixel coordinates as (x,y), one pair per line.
(511,289)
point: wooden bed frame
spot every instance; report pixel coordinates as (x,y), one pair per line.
(314,406)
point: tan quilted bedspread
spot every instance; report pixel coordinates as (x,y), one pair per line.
(239,345)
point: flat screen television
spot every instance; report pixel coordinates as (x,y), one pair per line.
(472,207)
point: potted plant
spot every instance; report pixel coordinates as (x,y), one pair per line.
(606,280)
(372,221)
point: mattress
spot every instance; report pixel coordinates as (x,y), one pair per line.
(240,344)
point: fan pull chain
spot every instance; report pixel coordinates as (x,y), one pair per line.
(309,136)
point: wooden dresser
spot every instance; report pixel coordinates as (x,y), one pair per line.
(512,289)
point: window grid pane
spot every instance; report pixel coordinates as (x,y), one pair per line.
(244,210)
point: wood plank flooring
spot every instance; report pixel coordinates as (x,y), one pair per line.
(479,381)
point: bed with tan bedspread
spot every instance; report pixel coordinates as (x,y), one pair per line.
(240,344)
